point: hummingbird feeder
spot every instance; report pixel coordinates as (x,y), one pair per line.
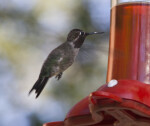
(125,98)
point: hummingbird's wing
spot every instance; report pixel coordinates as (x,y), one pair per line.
(57,61)
(48,70)
(50,64)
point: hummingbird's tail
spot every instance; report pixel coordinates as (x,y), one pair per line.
(39,85)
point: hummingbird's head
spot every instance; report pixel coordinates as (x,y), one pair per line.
(77,37)
(75,34)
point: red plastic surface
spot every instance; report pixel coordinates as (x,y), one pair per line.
(130,89)
(125,104)
(81,108)
(54,124)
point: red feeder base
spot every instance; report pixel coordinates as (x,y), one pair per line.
(125,104)
(54,124)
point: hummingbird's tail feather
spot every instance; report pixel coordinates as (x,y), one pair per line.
(39,85)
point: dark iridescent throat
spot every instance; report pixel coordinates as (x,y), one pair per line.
(79,42)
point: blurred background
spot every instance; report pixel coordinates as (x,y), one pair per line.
(29,31)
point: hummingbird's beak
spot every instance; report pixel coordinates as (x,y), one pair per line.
(91,33)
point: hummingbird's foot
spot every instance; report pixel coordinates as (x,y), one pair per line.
(59,76)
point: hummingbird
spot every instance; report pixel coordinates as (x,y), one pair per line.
(60,59)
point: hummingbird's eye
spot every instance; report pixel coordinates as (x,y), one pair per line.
(81,33)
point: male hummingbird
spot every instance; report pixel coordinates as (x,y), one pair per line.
(61,58)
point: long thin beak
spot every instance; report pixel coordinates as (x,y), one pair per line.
(91,33)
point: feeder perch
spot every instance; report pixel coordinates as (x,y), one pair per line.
(112,106)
